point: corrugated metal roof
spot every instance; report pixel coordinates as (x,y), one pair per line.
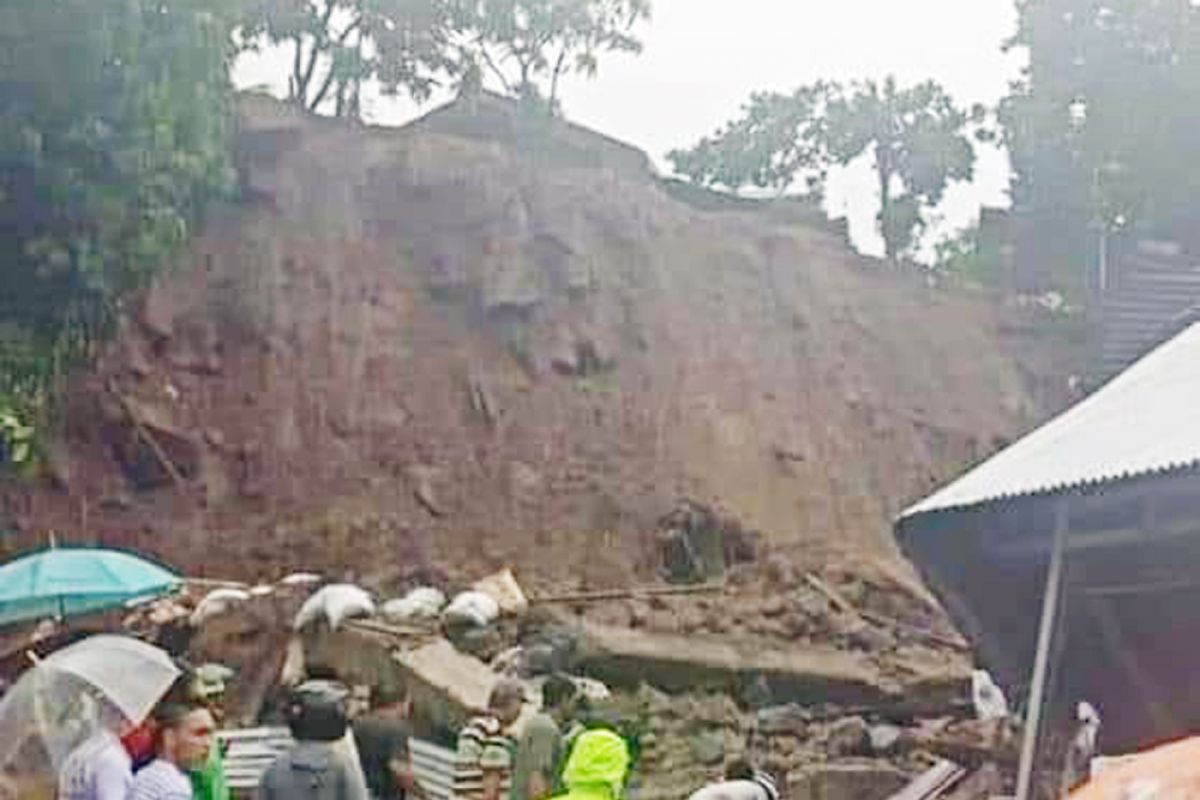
(1144,421)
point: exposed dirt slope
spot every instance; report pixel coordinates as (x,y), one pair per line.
(413,349)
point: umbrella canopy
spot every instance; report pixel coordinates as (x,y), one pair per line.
(1170,772)
(70,581)
(96,684)
(128,673)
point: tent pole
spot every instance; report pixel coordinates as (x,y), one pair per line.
(1041,663)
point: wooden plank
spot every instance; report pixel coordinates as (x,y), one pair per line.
(932,783)
(623,594)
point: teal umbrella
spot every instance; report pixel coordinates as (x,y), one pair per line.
(63,582)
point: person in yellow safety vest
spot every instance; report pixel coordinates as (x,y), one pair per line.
(597,768)
(16,439)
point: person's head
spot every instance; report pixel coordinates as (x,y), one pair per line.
(184,733)
(316,712)
(359,701)
(392,698)
(739,770)
(558,697)
(743,770)
(206,686)
(599,759)
(322,672)
(506,700)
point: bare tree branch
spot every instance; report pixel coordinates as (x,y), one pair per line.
(558,71)
(487,59)
(320,45)
(296,75)
(351,28)
(324,90)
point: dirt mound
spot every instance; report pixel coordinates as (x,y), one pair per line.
(407,350)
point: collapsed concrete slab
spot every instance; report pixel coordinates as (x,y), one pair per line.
(808,675)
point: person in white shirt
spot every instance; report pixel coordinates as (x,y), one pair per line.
(742,782)
(184,736)
(98,769)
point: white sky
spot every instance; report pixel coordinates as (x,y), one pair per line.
(704,57)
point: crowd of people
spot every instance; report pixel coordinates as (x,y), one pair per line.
(354,745)
(169,756)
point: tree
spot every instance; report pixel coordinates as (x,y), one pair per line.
(918,140)
(917,136)
(114,133)
(1101,128)
(530,45)
(337,45)
(778,138)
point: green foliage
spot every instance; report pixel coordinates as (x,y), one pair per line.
(114,126)
(337,45)
(917,137)
(962,258)
(1102,127)
(413,46)
(529,45)
(778,138)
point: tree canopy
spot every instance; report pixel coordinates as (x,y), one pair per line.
(337,45)
(114,132)
(1102,126)
(919,142)
(529,45)
(413,46)
(778,139)
(916,136)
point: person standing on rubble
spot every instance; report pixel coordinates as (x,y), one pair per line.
(484,742)
(98,769)
(315,768)
(540,746)
(183,739)
(382,735)
(598,767)
(207,688)
(742,782)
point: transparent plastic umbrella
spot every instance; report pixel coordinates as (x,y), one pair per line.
(100,683)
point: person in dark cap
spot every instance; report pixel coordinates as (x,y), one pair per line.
(314,769)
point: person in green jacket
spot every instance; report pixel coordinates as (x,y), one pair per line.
(208,687)
(597,768)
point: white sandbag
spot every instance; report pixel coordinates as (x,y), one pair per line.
(504,589)
(472,608)
(424,603)
(216,603)
(300,579)
(336,603)
(987,697)
(592,690)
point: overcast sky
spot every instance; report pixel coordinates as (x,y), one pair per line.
(704,57)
